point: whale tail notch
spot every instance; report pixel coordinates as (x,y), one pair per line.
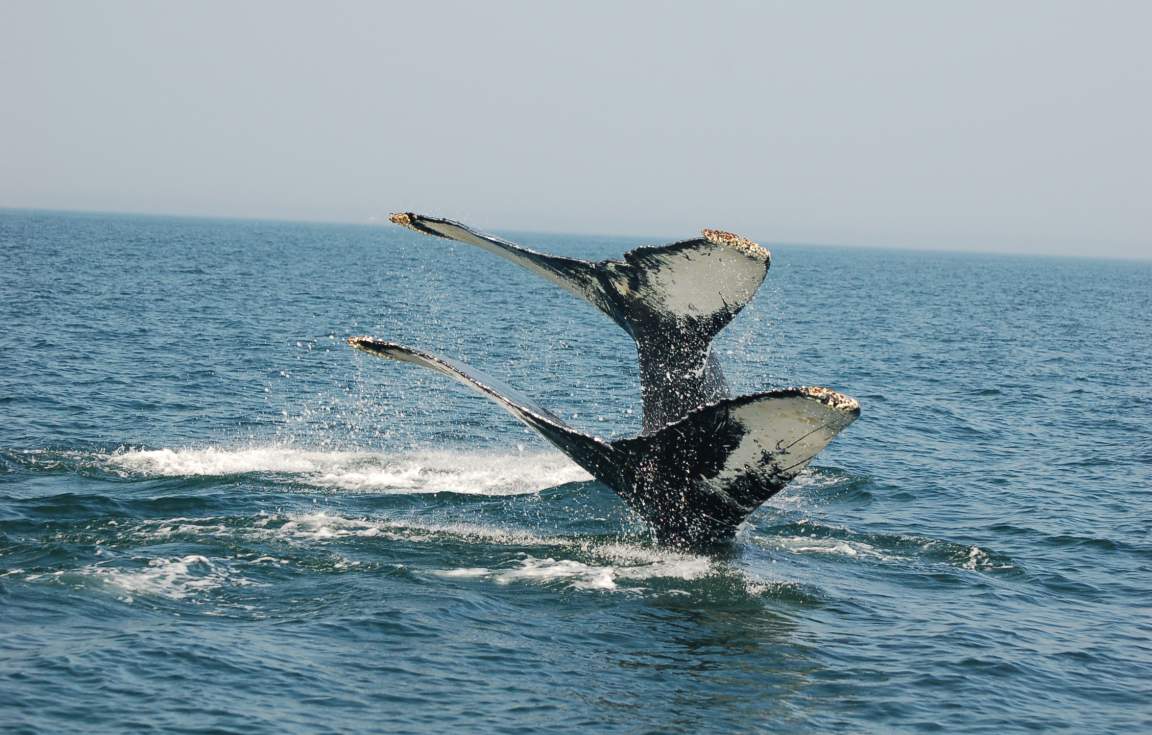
(695,480)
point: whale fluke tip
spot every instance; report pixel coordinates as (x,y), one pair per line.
(743,244)
(433,226)
(366,343)
(832,399)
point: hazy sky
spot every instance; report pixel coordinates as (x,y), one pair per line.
(1018,126)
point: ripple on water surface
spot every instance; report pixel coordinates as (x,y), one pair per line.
(215,518)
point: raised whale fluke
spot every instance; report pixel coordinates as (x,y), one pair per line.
(672,299)
(705,461)
(695,480)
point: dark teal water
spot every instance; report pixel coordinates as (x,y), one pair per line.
(215,517)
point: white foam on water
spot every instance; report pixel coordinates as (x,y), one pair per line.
(979,560)
(802,491)
(464,572)
(582,575)
(600,566)
(323,526)
(573,562)
(163,529)
(174,578)
(577,574)
(831,546)
(419,472)
(472,532)
(216,462)
(970,558)
(475,473)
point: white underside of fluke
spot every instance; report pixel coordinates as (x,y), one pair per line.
(790,430)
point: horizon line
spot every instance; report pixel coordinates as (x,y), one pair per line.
(382,221)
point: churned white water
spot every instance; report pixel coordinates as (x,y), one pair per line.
(420,472)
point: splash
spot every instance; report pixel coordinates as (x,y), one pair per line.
(472,473)
(175,578)
(592,565)
(807,537)
(830,546)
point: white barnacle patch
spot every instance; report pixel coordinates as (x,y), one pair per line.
(832,398)
(404,219)
(743,244)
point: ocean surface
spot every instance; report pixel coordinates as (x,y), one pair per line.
(215,517)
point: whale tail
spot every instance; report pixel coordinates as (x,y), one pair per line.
(696,479)
(672,299)
(592,453)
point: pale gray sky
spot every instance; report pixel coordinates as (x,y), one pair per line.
(1016,126)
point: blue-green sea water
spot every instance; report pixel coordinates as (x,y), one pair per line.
(215,517)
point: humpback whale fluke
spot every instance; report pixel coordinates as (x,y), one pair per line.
(672,299)
(705,460)
(696,479)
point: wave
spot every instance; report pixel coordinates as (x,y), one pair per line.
(580,563)
(808,545)
(174,578)
(580,575)
(321,526)
(812,537)
(472,473)
(234,553)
